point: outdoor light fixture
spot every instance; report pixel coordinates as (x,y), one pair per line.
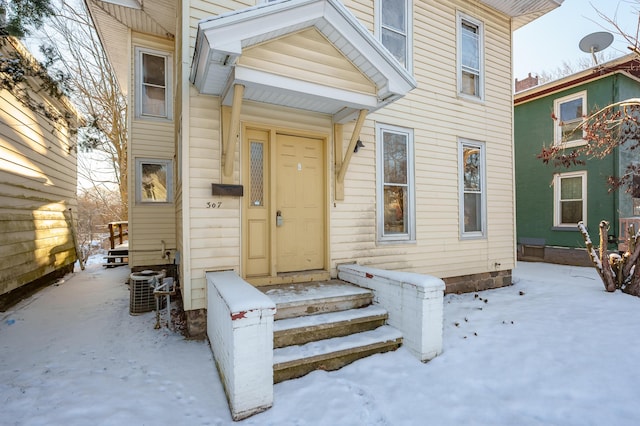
(359,145)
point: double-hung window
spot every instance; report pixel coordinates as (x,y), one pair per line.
(153,84)
(393,24)
(570,199)
(470,57)
(396,193)
(473,191)
(569,114)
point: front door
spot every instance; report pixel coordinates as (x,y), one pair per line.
(299,203)
(284,226)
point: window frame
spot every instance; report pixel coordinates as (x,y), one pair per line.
(168,63)
(410,235)
(408,30)
(557,211)
(169,180)
(557,128)
(482,234)
(460,18)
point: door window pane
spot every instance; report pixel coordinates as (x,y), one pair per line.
(256,173)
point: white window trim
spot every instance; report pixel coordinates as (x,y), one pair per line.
(464,17)
(557,130)
(557,212)
(138,185)
(138,83)
(410,235)
(408,26)
(483,184)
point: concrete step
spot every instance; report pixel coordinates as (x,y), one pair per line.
(294,300)
(331,354)
(305,329)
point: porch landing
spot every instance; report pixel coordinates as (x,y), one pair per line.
(324,326)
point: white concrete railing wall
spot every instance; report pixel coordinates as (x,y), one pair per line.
(414,303)
(240,331)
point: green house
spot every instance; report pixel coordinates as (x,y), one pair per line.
(551,200)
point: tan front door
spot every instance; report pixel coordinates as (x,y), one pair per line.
(284,226)
(299,203)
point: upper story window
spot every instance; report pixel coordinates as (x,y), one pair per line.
(396,192)
(470,57)
(569,113)
(570,198)
(393,24)
(473,192)
(153,84)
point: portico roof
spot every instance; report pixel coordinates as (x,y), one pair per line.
(222,39)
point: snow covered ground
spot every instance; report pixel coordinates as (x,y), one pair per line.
(553,349)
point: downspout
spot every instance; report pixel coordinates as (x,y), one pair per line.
(185,256)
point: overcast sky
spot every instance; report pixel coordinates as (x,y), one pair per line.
(545,43)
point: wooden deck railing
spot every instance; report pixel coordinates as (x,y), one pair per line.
(118,233)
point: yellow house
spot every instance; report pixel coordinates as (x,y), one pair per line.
(37,176)
(296,141)
(279,139)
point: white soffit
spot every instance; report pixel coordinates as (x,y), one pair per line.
(155,17)
(523,11)
(221,40)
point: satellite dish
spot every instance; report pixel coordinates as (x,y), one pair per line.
(595,42)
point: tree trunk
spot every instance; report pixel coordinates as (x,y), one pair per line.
(633,288)
(607,273)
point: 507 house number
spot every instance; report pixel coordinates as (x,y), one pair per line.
(214,204)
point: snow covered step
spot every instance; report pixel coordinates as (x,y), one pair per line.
(300,330)
(293,300)
(331,354)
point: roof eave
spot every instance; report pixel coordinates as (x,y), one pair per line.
(523,11)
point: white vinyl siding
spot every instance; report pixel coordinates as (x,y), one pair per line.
(439,119)
(569,114)
(470,48)
(569,199)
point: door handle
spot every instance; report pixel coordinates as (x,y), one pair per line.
(279,219)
